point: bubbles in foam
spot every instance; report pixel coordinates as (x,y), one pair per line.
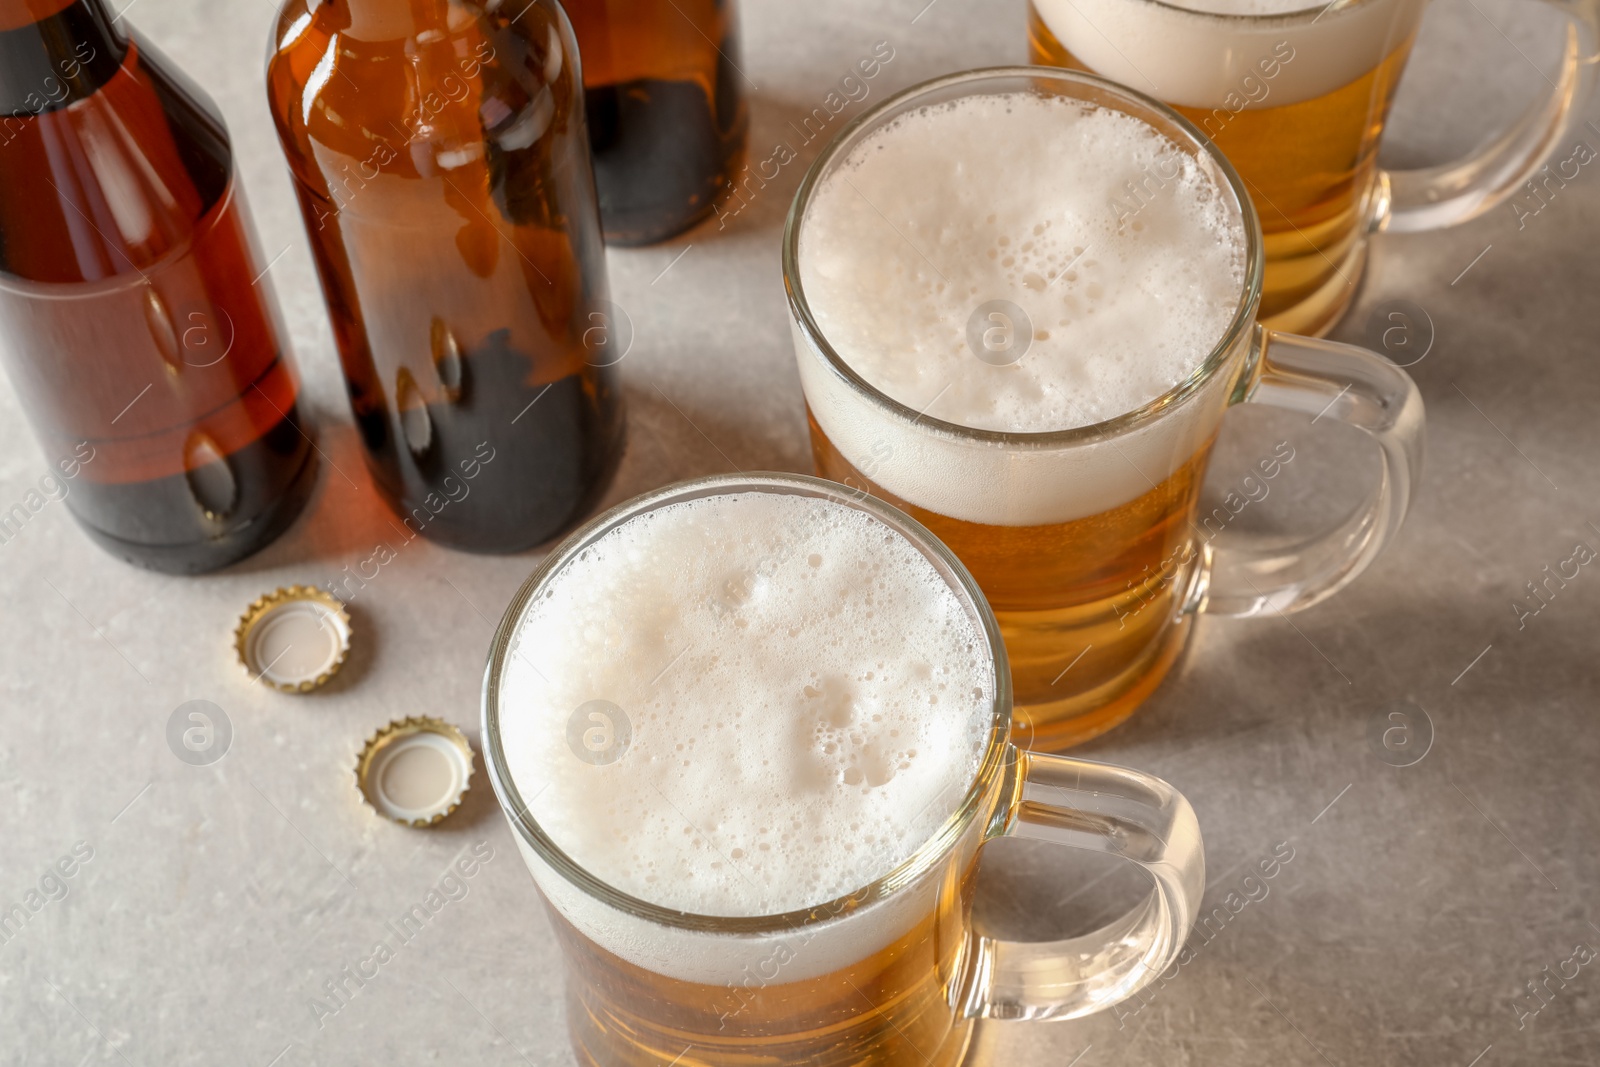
(808,702)
(1124,254)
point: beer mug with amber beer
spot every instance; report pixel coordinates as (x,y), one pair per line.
(1296,94)
(1023,302)
(752,734)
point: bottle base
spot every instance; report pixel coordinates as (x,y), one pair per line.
(663,157)
(477,532)
(201,557)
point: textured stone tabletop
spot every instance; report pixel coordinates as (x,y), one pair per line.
(209,906)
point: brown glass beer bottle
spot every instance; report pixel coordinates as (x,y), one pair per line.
(135,321)
(666,106)
(440,156)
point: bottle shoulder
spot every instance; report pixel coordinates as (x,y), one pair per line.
(340,88)
(538,41)
(78,206)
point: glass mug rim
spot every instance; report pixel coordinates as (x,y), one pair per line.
(1197,143)
(998,755)
(1276,18)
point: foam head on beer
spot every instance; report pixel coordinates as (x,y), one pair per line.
(1231,54)
(1119,247)
(1123,252)
(807,702)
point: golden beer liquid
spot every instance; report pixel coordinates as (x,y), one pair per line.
(897,1007)
(1089,608)
(1311,169)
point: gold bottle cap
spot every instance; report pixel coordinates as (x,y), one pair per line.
(415,771)
(293,639)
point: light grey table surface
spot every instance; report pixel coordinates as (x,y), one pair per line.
(1419,900)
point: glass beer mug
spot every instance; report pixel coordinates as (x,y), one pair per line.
(1082,528)
(706,717)
(1296,95)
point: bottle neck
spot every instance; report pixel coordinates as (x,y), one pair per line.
(54,52)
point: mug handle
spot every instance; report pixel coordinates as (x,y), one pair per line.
(1323,379)
(1099,808)
(1428,198)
